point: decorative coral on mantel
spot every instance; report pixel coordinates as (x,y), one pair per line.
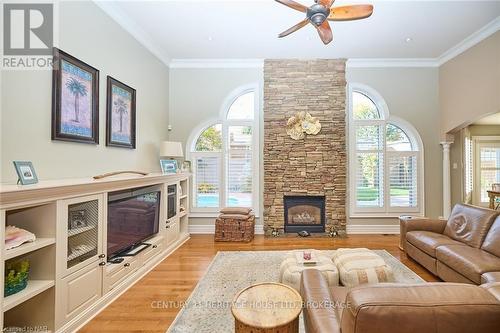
(302,123)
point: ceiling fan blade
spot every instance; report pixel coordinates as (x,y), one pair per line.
(294,5)
(326,3)
(325,32)
(348,13)
(296,27)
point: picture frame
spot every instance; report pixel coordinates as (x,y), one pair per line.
(186,166)
(120,114)
(25,172)
(168,166)
(77,219)
(75,99)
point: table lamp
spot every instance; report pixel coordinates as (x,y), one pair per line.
(170,150)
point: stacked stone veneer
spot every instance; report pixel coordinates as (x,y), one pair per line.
(315,165)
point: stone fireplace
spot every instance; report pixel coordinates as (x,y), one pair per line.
(314,166)
(304,212)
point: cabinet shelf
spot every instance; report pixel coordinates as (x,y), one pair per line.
(80,253)
(34,288)
(73,232)
(28,247)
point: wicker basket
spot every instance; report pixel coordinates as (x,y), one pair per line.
(234,230)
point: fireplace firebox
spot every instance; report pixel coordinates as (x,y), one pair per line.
(304,212)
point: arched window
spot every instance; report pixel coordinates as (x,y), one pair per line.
(224,156)
(386,158)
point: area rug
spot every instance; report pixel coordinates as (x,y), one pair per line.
(208,309)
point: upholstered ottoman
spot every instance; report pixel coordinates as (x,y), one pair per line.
(291,270)
(361,266)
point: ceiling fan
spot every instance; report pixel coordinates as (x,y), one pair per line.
(321,12)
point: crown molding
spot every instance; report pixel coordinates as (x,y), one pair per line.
(470,41)
(216,63)
(391,62)
(110,8)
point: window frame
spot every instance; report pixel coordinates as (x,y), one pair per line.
(224,154)
(477,143)
(417,150)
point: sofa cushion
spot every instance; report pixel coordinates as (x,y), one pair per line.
(428,241)
(469,224)
(468,261)
(492,241)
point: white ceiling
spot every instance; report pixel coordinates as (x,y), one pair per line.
(246,29)
(493,119)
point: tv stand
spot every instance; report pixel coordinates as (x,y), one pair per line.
(71,279)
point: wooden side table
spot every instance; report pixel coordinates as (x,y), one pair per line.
(267,308)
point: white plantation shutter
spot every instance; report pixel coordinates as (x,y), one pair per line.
(207,181)
(239,166)
(468,169)
(403,180)
(369,180)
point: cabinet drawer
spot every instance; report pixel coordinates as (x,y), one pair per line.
(115,273)
(151,252)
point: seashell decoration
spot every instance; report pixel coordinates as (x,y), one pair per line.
(301,124)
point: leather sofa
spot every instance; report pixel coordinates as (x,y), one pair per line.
(464,249)
(386,307)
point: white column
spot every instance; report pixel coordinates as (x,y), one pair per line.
(446,179)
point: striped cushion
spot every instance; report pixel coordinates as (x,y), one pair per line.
(361,266)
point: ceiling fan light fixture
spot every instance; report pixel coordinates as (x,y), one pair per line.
(321,12)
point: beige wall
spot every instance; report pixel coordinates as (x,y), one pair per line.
(86,32)
(411,94)
(196,95)
(469,85)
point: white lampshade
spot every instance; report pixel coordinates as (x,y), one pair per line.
(171,149)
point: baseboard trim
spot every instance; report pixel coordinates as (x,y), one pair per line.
(351,229)
(375,229)
(210,229)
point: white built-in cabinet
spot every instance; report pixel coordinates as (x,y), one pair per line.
(70,277)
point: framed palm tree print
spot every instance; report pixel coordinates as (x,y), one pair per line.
(75,100)
(120,114)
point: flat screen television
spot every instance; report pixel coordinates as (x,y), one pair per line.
(133,217)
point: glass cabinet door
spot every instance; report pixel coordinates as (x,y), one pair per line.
(83,220)
(80,223)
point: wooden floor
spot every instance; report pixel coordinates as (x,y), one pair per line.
(174,279)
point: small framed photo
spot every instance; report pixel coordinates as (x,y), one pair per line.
(186,166)
(120,115)
(77,219)
(25,172)
(168,166)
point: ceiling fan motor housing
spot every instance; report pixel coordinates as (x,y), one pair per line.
(317,14)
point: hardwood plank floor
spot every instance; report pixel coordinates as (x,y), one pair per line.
(173,280)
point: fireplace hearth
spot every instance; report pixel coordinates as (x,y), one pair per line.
(304,212)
